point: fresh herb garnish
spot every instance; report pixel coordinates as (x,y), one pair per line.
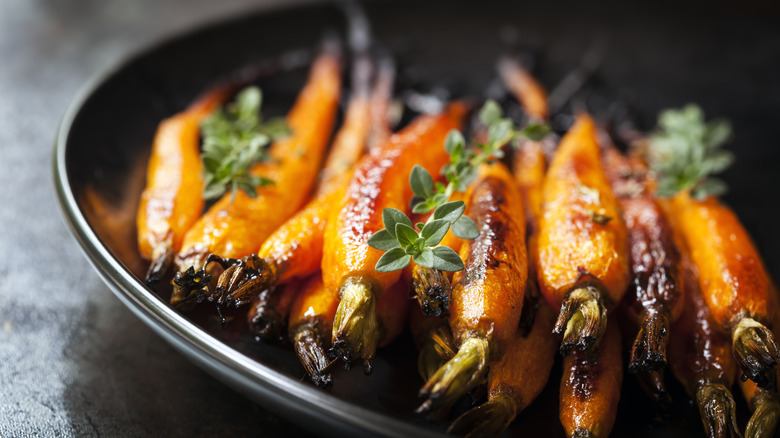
(404,241)
(685,150)
(234,139)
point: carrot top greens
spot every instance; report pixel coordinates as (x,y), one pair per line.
(234,139)
(685,150)
(402,241)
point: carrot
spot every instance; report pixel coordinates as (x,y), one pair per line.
(525,88)
(590,389)
(700,358)
(381,101)
(267,316)
(583,247)
(235,228)
(733,281)
(487,298)
(654,297)
(433,339)
(172,200)
(380,181)
(514,382)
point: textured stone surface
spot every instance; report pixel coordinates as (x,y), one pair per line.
(73,360)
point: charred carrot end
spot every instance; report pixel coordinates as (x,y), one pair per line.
(267,318)
(756,352)
(355,328)
(582,320)
(766,414)
(718,410)
(457,377)
(162,256)
(487,420)
(435,352)
(652,383)
(649,350)
(242,280)
(189,288)
(310,349)
(432,290)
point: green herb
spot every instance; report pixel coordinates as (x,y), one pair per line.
(685,150)
(402,242)
(234,139)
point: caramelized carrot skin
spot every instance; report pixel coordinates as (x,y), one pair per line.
(522,84)
(236,229)
(699,351)
(573,247)
(590,389)
(488,294)
(381,181)
(173,198)
(526,365)
(732,276)
(391,310)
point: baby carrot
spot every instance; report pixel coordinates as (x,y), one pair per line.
(734,283)
(765,406)
(583,247)
(172,200)
(487,298)
(379,182)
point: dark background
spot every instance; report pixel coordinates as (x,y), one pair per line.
(73,361)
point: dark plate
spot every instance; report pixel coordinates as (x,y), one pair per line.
(726,61)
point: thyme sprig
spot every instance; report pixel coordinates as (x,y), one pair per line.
(234,139)
(685,151)
(402,241)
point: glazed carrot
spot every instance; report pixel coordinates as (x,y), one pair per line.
(236,228)
(514,382)
(654,297)
(381,100)
(391,311)
(529,166)
(380,181)
(590,389)
(733,281)
(487,298)
(433,339)
(173,198)
(700,358)
(267,317)
(522,85)
(583,247)
(765,406)
(311,319)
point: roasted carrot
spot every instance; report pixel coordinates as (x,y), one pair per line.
(173,198)
(391,311)
(267,316)
(733,281)
(590,389)
(487,298)
(765,406)
(380,104)
(700,358)
(380,181)
(515,381)
(583,247)
(529,166)
(654,297)
(236,228)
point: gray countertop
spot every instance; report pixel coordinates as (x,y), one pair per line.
(73,360)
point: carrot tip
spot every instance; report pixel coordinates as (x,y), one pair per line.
(355,327)
(766,413)
(582,320)
(756,352)
(456,377)
(309,348)
(264,320)
(717,410)
(189,287)
(581,432)
(652,383)
(649,350)
(489,419)
(433,290)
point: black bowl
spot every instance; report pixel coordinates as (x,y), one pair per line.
(725,61)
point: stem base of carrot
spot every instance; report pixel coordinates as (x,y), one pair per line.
(432,290)
(766,414)
(489,419)
(309,348)
(756,352)
(582,320)
(717,410)
(355,327)
(649,349)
